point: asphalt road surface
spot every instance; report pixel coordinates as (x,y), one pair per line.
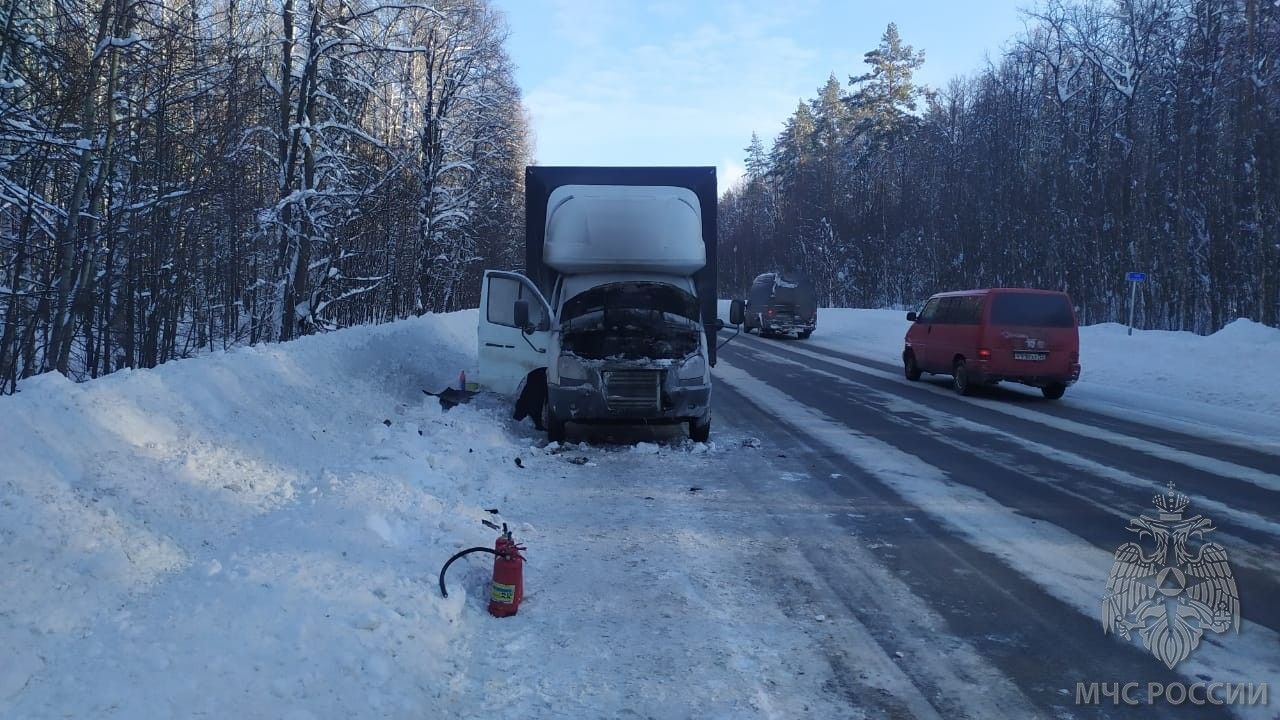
(917,565)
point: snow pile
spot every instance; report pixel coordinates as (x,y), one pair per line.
(257,534)
(249,534)
(1233,368)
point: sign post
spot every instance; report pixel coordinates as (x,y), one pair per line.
(1134,278)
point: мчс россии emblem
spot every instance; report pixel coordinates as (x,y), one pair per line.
(1171,596)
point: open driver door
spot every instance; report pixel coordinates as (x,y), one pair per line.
(514,331)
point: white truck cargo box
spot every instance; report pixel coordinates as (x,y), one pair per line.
(611,228)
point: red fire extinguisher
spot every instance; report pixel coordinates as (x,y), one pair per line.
(508,576)
(507,589)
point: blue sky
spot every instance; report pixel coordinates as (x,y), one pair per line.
(669,82)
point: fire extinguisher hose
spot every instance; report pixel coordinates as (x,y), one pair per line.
(457,555)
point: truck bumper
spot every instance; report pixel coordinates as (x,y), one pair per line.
(589,403)
(788,326)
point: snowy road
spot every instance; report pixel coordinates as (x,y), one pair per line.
(889,550)
(996,517)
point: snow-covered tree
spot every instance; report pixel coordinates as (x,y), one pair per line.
(200,173)
(1114,135)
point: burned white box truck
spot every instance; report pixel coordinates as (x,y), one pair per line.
(615,315)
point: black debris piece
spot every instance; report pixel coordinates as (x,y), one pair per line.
(451,397)
(518,463)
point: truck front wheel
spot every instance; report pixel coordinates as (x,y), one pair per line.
(555,426)
(699,432)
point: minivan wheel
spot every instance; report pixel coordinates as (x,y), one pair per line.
(1054,391)
(805,335)
(960,378)
(909,367)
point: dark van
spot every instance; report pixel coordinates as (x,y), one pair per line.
(781,304)
(985,336)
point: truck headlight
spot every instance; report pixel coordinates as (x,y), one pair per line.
(569,368)
(692,369)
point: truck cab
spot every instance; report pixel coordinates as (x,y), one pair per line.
(616,310)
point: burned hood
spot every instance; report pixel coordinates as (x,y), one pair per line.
(633,320)
(629,297)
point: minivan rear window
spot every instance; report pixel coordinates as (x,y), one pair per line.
(1032,310)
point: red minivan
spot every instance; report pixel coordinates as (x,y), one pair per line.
(985,336)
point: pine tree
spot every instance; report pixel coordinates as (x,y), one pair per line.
(757,162)
(885,96)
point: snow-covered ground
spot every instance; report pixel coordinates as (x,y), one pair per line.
(1226,384)
(256,534)
(248,534)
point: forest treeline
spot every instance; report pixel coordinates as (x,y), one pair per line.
(186,175)
(1112,136)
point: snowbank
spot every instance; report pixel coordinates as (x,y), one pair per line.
(248,534)
(257,534)
(1235,367)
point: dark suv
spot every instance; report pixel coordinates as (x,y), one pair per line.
(781,304)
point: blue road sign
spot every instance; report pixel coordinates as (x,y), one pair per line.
(1136,277)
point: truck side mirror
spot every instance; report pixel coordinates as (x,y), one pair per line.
(911,317)
(737,313)
(522,316)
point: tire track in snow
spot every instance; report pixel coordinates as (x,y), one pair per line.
(838,575)
(639,605)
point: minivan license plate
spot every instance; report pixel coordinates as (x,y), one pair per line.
(1029,356)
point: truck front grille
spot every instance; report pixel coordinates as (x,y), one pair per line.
(633,389)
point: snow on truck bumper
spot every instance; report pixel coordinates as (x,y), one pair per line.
(629,395)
